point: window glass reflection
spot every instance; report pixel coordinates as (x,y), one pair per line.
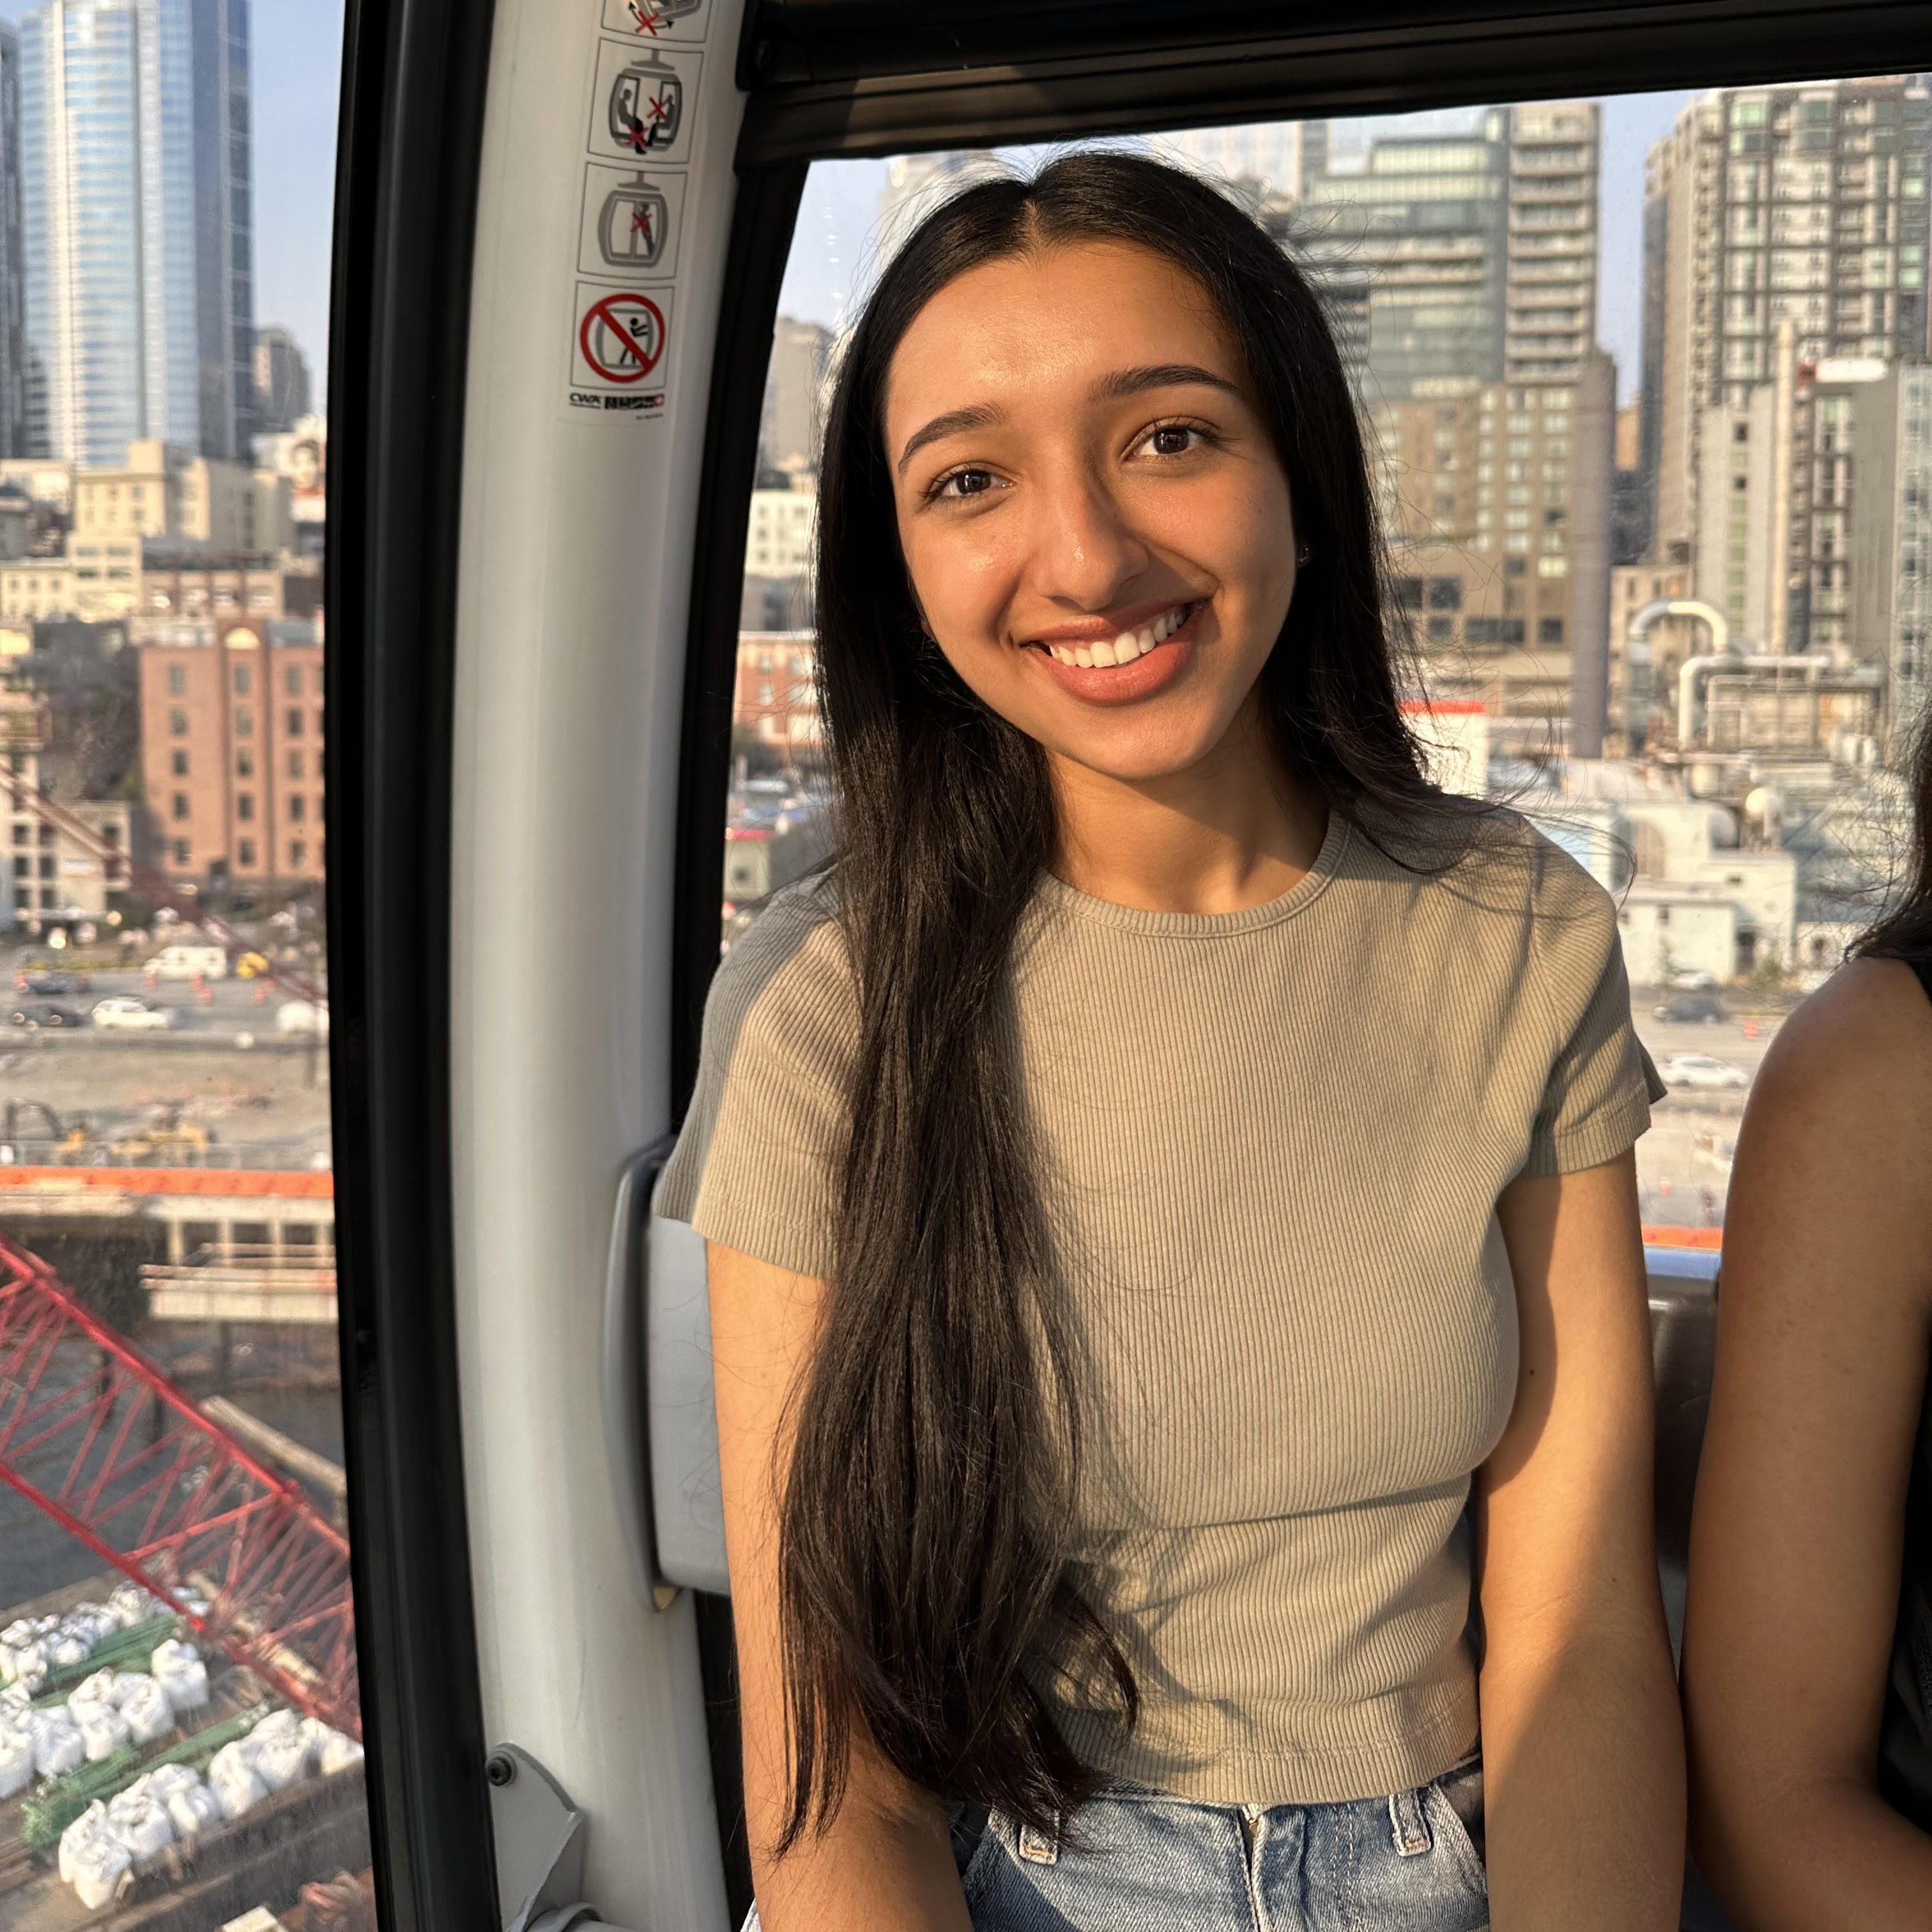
(180,1721)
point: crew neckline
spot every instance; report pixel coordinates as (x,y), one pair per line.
(1055,892)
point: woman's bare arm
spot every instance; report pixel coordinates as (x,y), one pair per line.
(1582,1748)
(1824,1317)
(887,1862)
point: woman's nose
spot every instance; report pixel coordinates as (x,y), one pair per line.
(1085,551)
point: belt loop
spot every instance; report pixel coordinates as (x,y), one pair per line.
(1409,1825)
(1038,1847)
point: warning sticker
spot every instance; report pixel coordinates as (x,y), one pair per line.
(652,20)
(617,359)
(631,219)
(642,106)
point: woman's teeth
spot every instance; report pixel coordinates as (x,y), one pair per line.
(1127,647)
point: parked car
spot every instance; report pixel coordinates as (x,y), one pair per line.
(302,1016)
(136,1015)
(48,984)
(1700,1070)
(1691,980)
(189,962)
(37,1013)
(1691,1006)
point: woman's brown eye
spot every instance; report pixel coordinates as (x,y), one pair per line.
(972,482)
(1171,442)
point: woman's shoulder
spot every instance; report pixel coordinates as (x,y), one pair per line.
(1864,1038)
(786,984)
(1495,863)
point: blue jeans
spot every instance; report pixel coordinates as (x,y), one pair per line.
(1135,1860)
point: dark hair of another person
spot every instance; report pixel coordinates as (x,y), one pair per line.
(924,1512)
(1905,932)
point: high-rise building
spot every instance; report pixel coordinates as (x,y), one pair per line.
(1496,506)
(13,265)
(138,234)
(1799,204)
(1549,280)
(1268,154)
(281,381)
(792,421)
(1451,259)
(224,225)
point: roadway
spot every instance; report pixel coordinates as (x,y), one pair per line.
(1683,1164)
(220,1015)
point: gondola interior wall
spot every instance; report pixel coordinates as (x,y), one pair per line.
(605,196)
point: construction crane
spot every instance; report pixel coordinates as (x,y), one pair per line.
(95,1435)
(27,796)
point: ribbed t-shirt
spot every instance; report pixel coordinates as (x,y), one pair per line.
(1270,1145)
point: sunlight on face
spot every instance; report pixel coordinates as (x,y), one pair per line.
(1096,522)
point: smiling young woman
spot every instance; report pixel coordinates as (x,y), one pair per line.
(1176,1290)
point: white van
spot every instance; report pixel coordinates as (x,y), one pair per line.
(186,962)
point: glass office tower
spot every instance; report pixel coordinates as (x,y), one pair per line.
(139,244)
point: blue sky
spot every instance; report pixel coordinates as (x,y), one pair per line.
(298,61)
(297,46)
(829,257)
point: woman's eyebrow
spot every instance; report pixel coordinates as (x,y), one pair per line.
(975,415)
(1124,382)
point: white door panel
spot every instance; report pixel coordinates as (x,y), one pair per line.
(577,531)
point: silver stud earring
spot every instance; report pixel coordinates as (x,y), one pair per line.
(1303,554)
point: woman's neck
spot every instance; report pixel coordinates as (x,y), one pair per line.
(1233,831)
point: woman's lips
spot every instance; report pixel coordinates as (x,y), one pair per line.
(1154,669)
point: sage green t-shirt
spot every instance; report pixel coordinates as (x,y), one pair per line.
(1270,1145)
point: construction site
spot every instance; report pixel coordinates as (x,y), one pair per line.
(180,1730)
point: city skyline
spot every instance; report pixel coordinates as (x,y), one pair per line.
(297,55)
(840,212)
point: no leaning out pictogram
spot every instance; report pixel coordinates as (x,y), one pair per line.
(622,337)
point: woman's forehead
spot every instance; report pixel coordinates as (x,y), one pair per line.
(1055,320)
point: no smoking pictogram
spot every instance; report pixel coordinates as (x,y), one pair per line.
(622,337)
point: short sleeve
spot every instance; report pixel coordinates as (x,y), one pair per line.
(1596,1101)
(760,1160)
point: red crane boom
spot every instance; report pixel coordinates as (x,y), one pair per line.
(95,1434)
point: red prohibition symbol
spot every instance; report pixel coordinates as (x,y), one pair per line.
(622,338)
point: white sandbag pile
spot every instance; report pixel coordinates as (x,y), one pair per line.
(138,1700)
(332,1751)
(279,1752)
(143,1824)
(17,1742)
(23,1651)
(145,1706)
(282,1749)
(183,1677)
(231,1777)
(31,1647)
(103,1731)
(191,1806)
(57,1744)
(94,1858)
(132,1831)
(133,1605)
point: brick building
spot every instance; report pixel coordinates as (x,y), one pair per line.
(775,703)
(231,734)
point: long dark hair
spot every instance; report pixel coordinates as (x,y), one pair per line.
(1905,931)
(924,1512)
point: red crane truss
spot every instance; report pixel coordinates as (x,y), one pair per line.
(121,1459)
(116,862)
